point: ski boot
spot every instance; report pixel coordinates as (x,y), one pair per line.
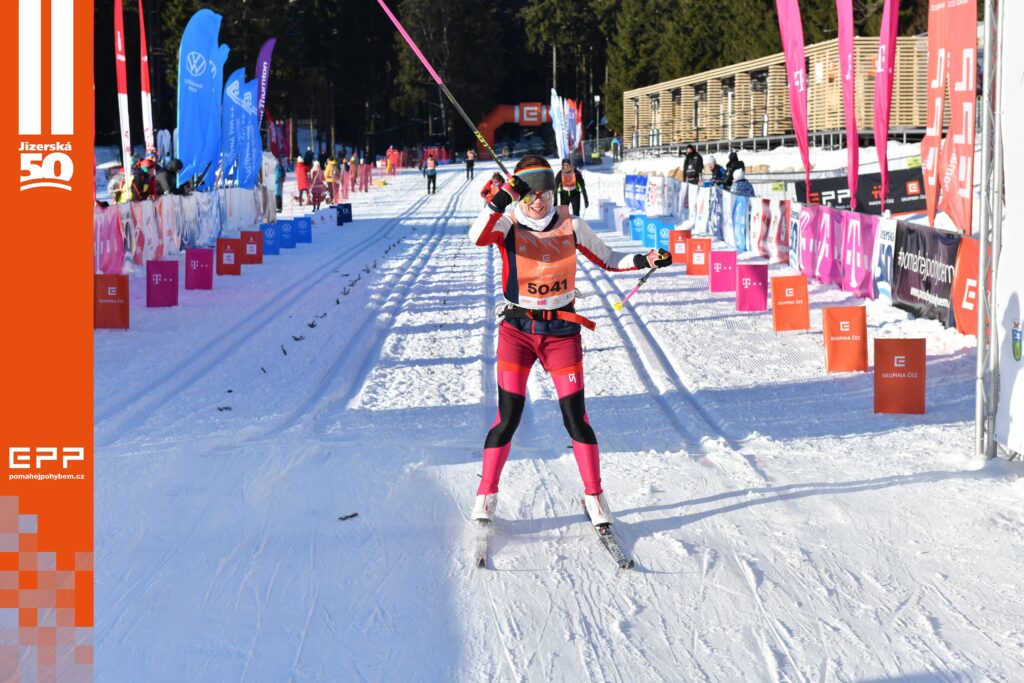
(483,507)
(597,510)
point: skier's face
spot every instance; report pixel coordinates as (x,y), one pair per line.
(538,204)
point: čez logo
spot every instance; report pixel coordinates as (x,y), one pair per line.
(25,458)
(844,325)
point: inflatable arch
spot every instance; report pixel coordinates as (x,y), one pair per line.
(524,113)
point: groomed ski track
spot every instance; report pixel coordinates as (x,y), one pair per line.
(781,531)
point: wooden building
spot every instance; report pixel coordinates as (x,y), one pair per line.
(751,100)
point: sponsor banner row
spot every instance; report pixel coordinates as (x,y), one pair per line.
(906,192)
(916,268)
(152,230)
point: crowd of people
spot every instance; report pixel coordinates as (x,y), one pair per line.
(731,177)
(149,179)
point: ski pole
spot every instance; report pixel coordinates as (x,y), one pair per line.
(618,305)
(444,88)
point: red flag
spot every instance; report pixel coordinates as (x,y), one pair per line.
(956,166)
(147,101)
(120,63)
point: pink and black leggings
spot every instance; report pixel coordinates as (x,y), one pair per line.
(562,357)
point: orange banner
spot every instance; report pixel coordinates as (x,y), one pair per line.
(846,338)
(698,256)
(900,366)
(46,486)
(790,303)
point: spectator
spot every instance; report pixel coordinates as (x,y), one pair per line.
(470,160)
(492,187)
(431,171)
(730,168)
(570,186)
(317,186)
(693,166)
(741,187)
(331,178)
(143,183)
(307,157)
(167,178)
(716,172)
(279,174)
(301,178)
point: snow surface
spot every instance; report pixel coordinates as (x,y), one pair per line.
(782,531)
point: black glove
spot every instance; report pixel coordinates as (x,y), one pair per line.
(653,259)
(514,188)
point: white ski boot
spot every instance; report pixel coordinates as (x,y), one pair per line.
(597,509)
(483,508)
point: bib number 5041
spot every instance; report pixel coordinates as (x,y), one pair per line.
(544,290)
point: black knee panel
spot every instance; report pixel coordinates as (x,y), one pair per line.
(510,410)
(574,413)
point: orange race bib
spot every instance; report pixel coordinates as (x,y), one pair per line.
(546,265)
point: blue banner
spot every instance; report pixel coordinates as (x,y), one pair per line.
(663,229)
(199,96)
(636,227)
(344,213)
(303,230)
(250,153)
(651,233)
(286,234)
(640,192)
(270,241)
(230,138)
(211,149)
(740,219)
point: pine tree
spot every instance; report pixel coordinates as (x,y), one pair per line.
(633,60)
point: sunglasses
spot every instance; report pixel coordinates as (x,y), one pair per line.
(545,196)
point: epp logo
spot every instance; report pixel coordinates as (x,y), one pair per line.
(195,62)
(27,458)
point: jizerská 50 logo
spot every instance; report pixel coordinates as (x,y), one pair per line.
(45,164)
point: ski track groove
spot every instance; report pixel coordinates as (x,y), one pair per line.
(383,317)
(656,359)
(130,410)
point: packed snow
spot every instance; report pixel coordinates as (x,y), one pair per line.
(782,531)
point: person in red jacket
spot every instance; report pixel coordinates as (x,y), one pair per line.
(538,243)
(301,178)
(492,187)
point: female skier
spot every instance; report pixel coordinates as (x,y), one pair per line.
(538,244)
